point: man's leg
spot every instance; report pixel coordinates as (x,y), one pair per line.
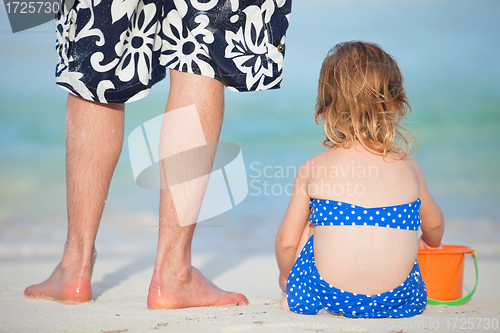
(175,283)
(94,137)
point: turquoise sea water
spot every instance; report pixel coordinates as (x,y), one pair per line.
(448,51)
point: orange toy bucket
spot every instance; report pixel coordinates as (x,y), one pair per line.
(443,273)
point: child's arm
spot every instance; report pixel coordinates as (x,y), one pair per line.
(292,226)
(430,214)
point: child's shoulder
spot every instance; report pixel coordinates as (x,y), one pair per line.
(415,167)
(314,164)
(315,161)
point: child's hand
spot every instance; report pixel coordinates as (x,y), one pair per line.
(422,245)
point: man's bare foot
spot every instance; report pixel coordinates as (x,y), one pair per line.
(172,292)
(69,283)
(284,303)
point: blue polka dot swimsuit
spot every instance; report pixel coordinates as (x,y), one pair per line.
(330,212)
(308,293)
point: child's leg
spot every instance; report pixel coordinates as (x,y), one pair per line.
(306,234)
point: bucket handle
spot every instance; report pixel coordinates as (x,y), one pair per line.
(463,299)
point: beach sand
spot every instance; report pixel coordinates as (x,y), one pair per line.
(120,286)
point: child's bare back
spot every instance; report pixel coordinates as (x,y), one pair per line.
(363,259)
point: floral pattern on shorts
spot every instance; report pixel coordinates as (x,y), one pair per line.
(113,51)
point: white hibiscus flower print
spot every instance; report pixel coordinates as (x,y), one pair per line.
(204,6)
(136,43)
(64,35)
(120,8)
(248,48)
(88,30)
(181,50)
(74,80)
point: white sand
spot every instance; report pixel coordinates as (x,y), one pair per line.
(120,286)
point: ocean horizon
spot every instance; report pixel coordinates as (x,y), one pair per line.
(447,50)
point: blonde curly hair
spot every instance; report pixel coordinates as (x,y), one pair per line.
(361,96)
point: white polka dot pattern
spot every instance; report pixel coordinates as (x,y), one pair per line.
(308,293)
(331,212)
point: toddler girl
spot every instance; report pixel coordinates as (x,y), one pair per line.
(349,240)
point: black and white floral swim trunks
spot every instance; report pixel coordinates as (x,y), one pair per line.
(113,51)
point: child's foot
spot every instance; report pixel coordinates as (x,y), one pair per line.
(284,303)
(168,291)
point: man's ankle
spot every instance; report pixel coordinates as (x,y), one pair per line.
(180,270)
